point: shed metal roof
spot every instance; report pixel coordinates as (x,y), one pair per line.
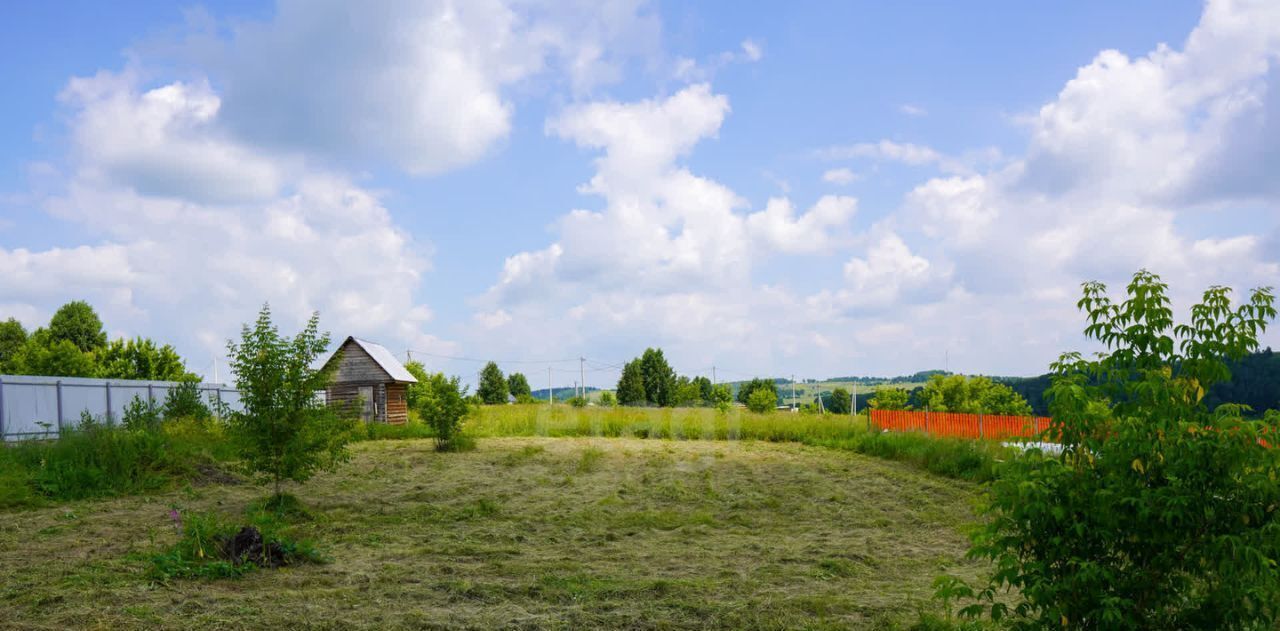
(385,360)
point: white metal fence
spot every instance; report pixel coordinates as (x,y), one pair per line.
(39,407)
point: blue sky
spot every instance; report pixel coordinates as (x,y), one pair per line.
(811,189)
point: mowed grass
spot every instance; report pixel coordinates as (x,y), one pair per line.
(527,533)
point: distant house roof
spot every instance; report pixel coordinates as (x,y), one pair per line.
(385,360)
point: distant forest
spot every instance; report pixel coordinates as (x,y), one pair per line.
(1255,382)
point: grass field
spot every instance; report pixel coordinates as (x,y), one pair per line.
(526,533)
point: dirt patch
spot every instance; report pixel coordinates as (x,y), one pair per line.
(209,474)
(248,546)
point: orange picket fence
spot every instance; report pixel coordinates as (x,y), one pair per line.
(986,426)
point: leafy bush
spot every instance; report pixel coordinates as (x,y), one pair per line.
(141,415)
(185,401)
(444,407)
(607,399)
(762,400)
(578,402)
(1159,513)
(890,399)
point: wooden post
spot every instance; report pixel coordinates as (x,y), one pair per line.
(926,421)
(108,384)
(981,433)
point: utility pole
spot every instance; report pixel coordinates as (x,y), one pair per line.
(216,379)
(853,409)
(821,409)
(793,391)
(551,394)
(408,354)
(713,376)
(582,374)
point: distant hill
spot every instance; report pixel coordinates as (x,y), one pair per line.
(1255,382)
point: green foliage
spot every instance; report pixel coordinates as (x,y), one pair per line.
(1159,513)
(721,395)
(141,358)
(972,395)
(97,460)
(687,392)
(890,399)
(443,409)
(704,386)
(518,386)
(141,415)
(578,402)
(12,336)
(493,386)
(185,401)
(284,431)
(607,399)
(659,378)
(762,401)
(840,401)
(415,393)
(42,355)
(747,389)
(78,323)
(631,384)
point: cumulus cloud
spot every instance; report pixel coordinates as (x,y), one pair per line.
(422,84)
(196,224)
(841,176)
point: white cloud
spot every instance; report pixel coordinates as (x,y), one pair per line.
(422,84)
(180,261)
(913,110)
(752,50)
(842,176)
(778,228)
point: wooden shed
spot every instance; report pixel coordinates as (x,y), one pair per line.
(369,373)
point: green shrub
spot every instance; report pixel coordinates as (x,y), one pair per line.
(141,415)
(1159,513)
(185,401)
(444,406)
(762,400)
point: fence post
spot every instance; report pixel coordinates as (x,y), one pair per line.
(108,385)
(981,433)
(58,385)
(926,421)
(151,397)
(1,410)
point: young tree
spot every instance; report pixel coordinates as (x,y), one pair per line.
(840,401)
(444,407)
(1159,513)
(12,336)
(518,385)
(493,386)
(285,432)
(762,400)
(659,378)
(704,389)
(78,323)
(607,399)
(721,396)
(185,401)
(687,392)
(631,384)
(890,399)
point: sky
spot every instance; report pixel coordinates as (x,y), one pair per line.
(809,189)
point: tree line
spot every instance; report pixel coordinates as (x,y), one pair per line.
(75,344)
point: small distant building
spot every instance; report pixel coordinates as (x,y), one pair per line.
(369,373)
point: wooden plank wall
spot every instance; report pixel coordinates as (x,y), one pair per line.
(397,408)
(357,366)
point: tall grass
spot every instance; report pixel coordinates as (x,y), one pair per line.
(99,460)
(956,458)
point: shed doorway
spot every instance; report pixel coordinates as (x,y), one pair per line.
(367,403)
